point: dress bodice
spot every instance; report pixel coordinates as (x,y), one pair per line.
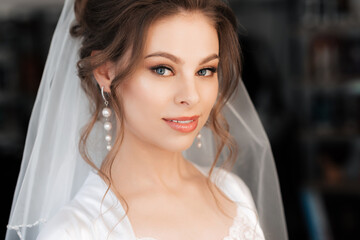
(94,215)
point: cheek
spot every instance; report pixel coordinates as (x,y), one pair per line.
(143,102)
(209,95)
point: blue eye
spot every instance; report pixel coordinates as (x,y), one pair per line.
(163,71)
(206,72)
(202,72)
(160,71)
(166,71)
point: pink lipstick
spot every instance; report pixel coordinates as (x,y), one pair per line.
(183,124)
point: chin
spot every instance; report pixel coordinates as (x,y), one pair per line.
(178,145)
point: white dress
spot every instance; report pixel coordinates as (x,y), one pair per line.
(91,216)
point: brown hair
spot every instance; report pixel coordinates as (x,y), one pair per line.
(114,27)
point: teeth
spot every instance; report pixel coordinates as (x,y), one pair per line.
(187,121)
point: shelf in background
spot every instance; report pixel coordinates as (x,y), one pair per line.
(328,135)
(345,27)
(350,86)
(347,187)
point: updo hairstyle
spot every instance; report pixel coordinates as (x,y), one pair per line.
(117,29)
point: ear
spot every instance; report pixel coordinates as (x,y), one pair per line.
(104,74)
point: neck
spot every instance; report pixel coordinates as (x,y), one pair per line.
(141,164)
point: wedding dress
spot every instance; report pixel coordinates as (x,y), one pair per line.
(91,216)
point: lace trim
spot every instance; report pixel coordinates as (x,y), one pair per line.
(244,229)
(17,228)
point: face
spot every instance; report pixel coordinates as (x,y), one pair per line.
(169,97)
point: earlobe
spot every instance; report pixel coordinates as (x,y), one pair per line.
(104,74)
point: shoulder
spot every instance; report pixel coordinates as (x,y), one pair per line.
(66,225)
(81,218)
(241,185)
(236,189)
(55,234)
(233,186)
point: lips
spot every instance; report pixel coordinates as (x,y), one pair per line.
(183,124)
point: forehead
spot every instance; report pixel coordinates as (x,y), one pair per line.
(184,34)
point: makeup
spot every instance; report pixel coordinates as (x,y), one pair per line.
(183,124)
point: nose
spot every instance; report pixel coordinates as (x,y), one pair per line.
(187,93)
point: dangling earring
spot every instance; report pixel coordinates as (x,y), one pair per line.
(106,112)
(199,144)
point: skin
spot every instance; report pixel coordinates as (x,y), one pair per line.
(177,77)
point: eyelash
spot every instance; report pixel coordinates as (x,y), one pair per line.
(153,69)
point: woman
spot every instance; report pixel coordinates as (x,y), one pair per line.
(155,73)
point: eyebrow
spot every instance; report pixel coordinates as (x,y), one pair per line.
(177,60)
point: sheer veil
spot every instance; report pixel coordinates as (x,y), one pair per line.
(52,169)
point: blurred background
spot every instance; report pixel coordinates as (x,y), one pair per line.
(302,71)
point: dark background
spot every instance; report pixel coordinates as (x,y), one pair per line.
(302,71)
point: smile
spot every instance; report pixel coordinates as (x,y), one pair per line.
(178,121)
(183,124)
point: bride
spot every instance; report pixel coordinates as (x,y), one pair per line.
(153,77)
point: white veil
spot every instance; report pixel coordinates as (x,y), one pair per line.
(52,169)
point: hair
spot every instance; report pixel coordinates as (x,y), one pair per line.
(117,30)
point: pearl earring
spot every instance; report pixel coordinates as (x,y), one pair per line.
(106,112)
(199,144)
